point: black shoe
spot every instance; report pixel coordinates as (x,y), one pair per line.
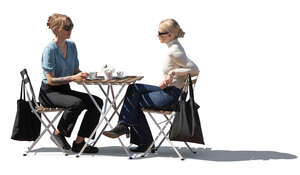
(142,148)
(88,149)
(119,130)
(61,141)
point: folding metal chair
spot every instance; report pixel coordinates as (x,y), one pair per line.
(40,113)
(167,122)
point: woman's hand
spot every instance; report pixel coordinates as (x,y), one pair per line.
(80,76)
(163,84)
(166,82)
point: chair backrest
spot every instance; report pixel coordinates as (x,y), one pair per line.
(186,84)
(185,89)
(26,83)
(194,80)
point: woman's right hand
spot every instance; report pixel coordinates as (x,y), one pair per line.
(163,84)
(166,82)
(80,76)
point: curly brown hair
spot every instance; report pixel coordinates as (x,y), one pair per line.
(57,21)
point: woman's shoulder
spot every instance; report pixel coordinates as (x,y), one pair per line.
(50,47)
(175,50)
(175,46)
(71,43)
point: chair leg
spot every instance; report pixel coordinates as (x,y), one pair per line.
(166,136)
(160,143)
(50,122)
(51,133)
(156,138)
(187,145)
(47,129)
(169,122)
(36,141)
(40,136)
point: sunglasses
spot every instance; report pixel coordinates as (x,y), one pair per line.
(68,27)
(162,33)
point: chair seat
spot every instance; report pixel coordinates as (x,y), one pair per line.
(44,109)
(157,111)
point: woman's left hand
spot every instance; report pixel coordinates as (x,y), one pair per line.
(166,82)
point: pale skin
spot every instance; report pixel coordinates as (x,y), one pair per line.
(165,38)
(60,40)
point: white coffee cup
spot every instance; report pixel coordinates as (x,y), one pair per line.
(92,75)
(120,74)
(108,75)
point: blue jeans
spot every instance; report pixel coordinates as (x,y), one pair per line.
(147,96)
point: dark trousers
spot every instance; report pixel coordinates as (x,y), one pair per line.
(147,96)
(74,103)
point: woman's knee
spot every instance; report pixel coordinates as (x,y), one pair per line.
(99,101)
(77,104)
(90,105)
(132,88)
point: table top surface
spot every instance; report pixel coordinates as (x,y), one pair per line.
(114,80)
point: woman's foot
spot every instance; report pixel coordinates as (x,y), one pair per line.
(76,147)
(61,141)
(142,148)
(119,130)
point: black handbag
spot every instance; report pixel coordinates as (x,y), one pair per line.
(27,126)
(186,126)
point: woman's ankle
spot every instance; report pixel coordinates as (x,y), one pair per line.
(79,139)
(56,132)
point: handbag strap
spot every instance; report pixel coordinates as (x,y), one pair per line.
(22,93)
(191,91)
(182,89)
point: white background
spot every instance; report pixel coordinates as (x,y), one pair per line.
(249,89)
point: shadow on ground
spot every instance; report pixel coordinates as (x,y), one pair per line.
(202,154)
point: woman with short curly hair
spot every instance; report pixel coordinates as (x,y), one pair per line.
(60,67)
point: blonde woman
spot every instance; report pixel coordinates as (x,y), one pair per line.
(60,67)
(176,68)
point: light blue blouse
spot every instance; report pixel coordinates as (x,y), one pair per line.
(53,60)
